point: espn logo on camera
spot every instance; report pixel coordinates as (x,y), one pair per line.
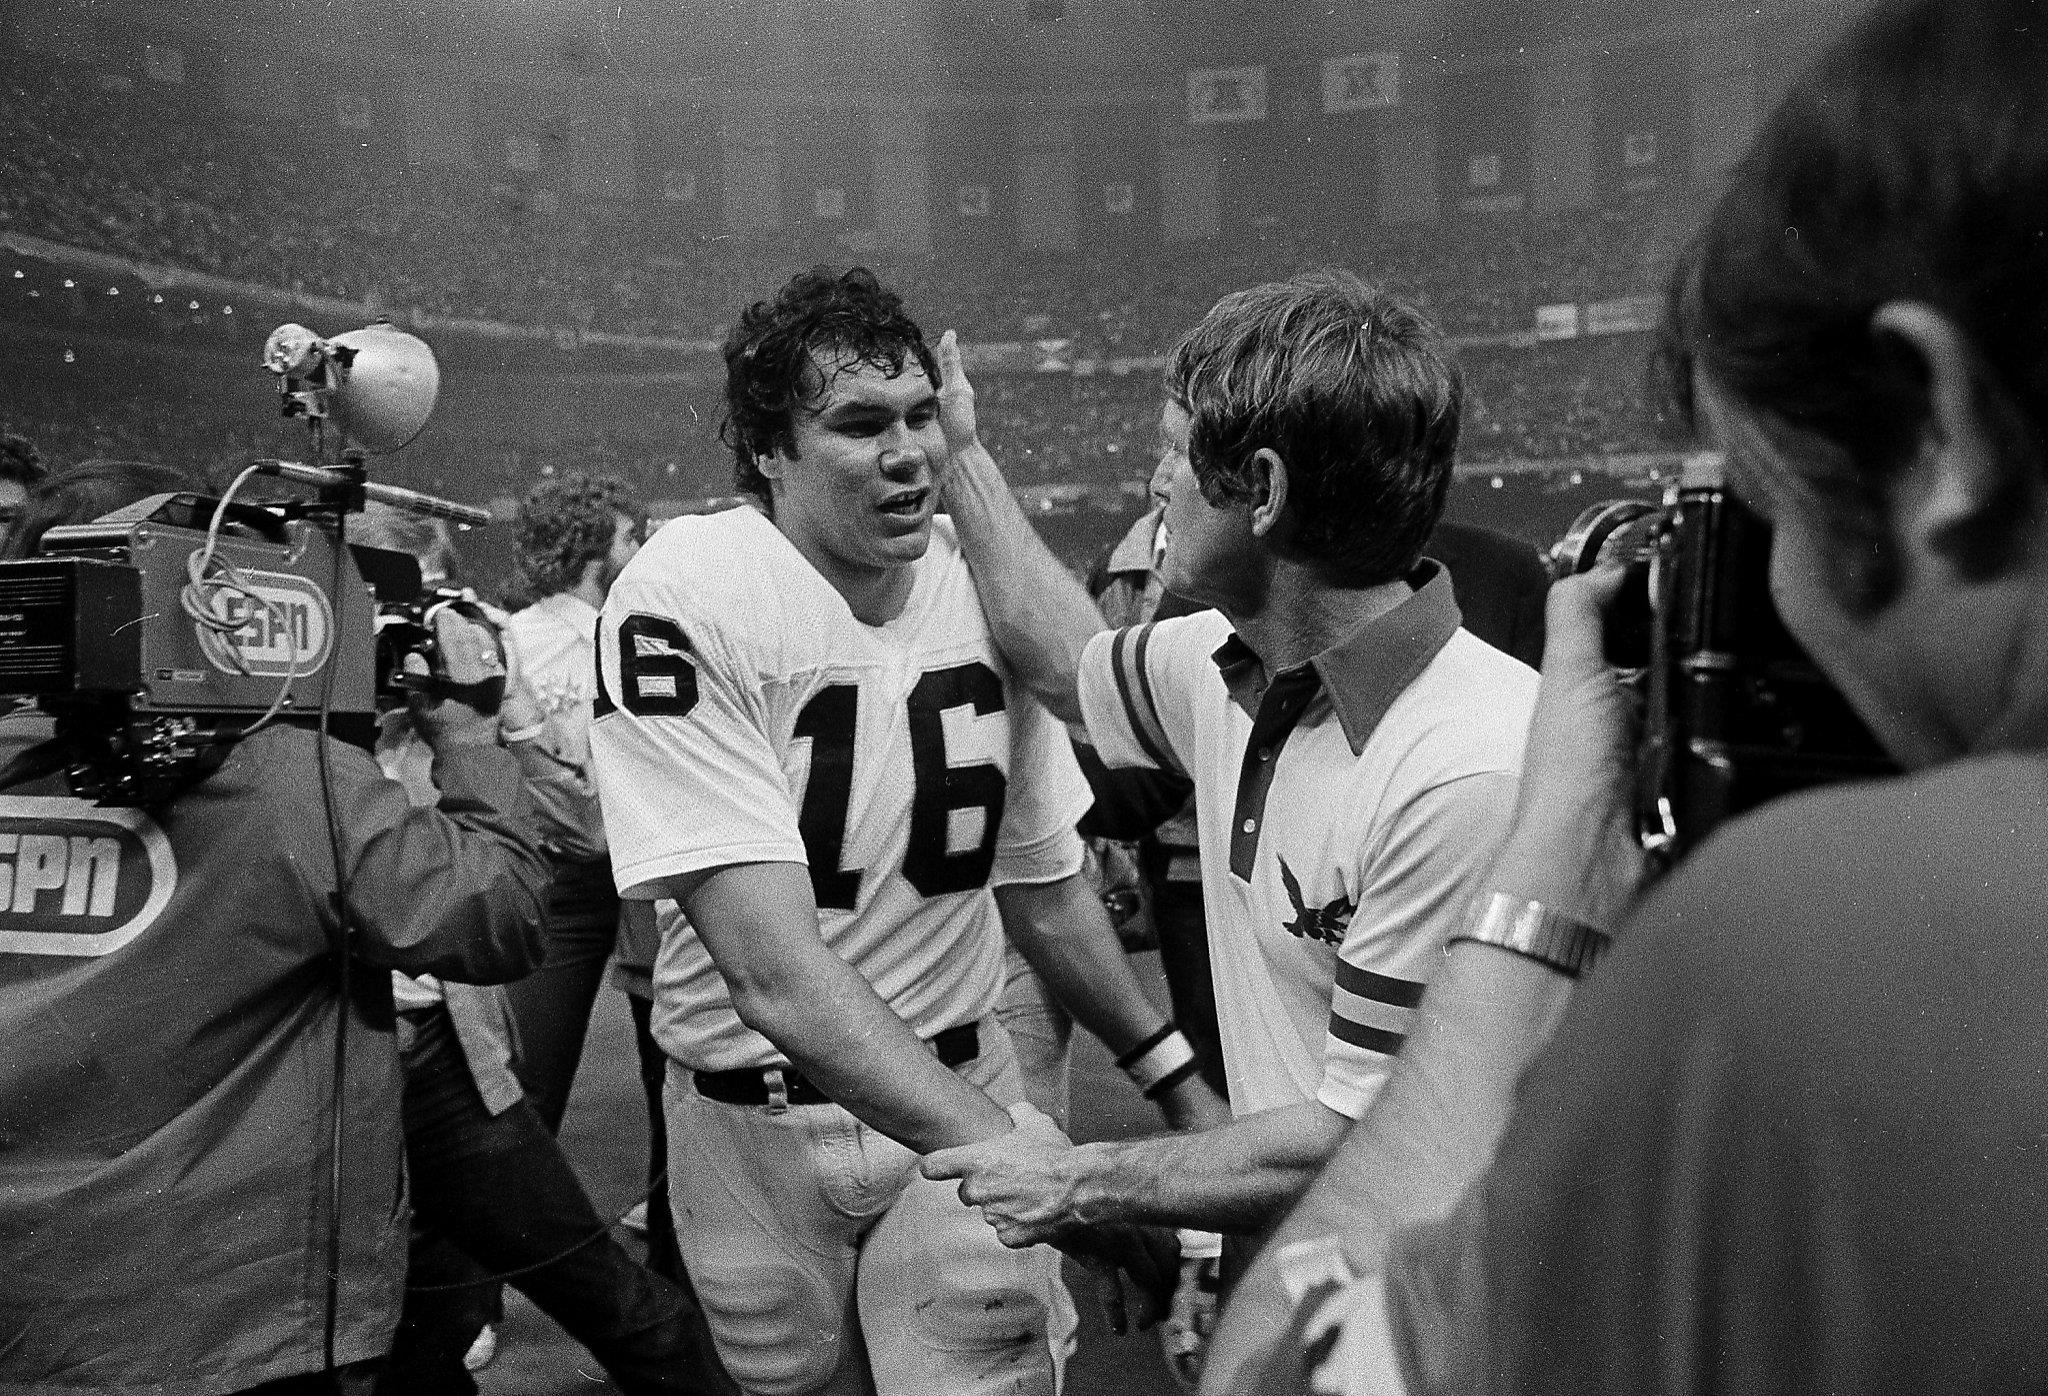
(78,879)
(289,629)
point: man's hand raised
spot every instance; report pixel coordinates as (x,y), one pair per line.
(1572,844)
(956,397)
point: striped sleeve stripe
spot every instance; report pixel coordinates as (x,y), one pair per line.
(1364,1035)
(1134,689)
(1371,1010)
(1380,988)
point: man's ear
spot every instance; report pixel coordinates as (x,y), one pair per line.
(771,464)
(1975,482)
(1269,492)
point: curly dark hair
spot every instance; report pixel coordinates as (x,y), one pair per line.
(87,491)
(21,461)
(1354,390)
(567,522)
(771,359)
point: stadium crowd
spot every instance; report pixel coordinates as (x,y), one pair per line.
(146,176)
(143,175)
(1560,402)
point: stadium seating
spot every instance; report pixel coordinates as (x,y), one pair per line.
(111,173)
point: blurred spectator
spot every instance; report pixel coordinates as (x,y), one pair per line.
(21,470)
(86,491)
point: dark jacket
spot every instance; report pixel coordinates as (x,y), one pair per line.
(168,1015)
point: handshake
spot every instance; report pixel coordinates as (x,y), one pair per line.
(1031,1186)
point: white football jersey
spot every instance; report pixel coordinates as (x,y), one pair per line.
(744,715)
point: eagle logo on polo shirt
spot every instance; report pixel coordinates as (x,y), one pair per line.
(1325,923)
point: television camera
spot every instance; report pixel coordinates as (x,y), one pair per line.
(160,634)
(1734,712)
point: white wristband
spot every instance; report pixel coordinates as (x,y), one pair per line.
(1160,1062)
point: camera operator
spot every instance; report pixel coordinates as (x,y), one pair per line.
(196,1121)
(1787,1137)
(493,1191)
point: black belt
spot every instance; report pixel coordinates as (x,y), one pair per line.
(757,1085)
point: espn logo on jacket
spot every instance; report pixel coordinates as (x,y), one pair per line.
(78,879)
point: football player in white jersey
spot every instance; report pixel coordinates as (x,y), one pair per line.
(806,742)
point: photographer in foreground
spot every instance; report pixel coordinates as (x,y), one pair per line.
(1787,1138)
(178,1061)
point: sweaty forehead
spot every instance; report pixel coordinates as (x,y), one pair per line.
(839,379)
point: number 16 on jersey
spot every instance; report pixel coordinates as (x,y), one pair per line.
(938,789)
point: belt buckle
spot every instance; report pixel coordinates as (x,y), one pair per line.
(778,1090)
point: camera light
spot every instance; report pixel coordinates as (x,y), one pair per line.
(379,383)
(157,299)
(69,283)
(69,357)
(1497,482)
(19,273)
(113,290)
(192,305)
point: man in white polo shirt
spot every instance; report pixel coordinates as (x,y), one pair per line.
(1354,752)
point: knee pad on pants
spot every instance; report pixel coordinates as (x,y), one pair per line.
(776,1329)
(986,1302)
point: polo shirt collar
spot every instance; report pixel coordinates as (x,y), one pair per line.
(1369,667)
